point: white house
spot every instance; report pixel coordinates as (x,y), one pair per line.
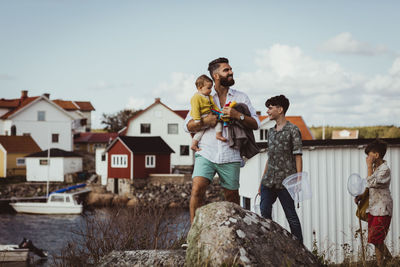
(61,162)
(330,214)
(160,120)
(50,123)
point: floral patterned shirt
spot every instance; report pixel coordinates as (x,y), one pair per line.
(283,145)
(380,199)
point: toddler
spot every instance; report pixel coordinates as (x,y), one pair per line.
(201,104)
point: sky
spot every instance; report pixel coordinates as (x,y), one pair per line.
(338,62)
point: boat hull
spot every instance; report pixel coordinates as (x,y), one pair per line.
(8,254)
(45,208)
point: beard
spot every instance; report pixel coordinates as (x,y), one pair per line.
(226,82)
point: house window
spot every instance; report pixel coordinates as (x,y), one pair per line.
(150,161)
(172,128)
(263,134)
(20,161)
(119,161)
(103,157)
(184,150)
(13,130)
(43,162)
(145,128)
(41,115)
(54,138)
(246,203)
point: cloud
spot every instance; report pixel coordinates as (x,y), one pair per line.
(322,92)
(344,43)
(388,85)
(177,92)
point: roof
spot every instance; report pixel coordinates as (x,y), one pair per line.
(299,122)
(19,144)
(17,104)
(94,137)
(85,105)
(182,113)
(344,134)
(54,153)
(141,145)
(74,105)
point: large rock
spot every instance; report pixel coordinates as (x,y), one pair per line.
(225,234)
(141,258)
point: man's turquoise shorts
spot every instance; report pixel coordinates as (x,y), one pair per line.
(228,172)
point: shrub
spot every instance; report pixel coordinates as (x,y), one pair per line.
(123,229)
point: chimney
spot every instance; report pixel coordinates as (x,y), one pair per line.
(47,95)
(157,100)
(24,94)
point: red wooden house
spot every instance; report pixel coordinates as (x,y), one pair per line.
(132,157)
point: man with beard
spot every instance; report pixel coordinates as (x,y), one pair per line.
(216,156)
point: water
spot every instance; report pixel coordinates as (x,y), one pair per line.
(48,232)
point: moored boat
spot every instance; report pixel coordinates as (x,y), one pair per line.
(12,253)
(57,203)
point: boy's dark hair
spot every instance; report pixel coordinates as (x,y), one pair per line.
(377,146)
(213,65)
(279,100)
(200,82)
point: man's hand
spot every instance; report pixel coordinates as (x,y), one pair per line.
(209,121)
(231,112)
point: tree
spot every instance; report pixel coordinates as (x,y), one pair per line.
(116,121)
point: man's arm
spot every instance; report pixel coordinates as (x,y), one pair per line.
(248,122)
(299,163)
(210,120)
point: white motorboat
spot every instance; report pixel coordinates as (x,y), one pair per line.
(57,203)
(11,253)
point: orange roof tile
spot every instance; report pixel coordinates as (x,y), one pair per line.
(22,104)
(19,144)
(85,105)
(299,122)
(66,104)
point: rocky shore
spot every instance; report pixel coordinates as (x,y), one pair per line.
(170,194)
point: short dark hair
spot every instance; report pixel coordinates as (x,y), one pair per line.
(279,100)
(377,146)
(214,65)
(201,80)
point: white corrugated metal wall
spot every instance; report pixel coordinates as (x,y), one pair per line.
(331,211)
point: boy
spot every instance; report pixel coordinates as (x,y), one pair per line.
(284,159)
(202,103)
(380,200)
